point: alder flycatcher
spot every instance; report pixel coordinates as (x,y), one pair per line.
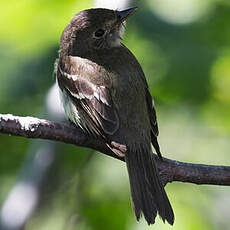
(104,91)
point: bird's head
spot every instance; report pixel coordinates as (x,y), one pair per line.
(94,29)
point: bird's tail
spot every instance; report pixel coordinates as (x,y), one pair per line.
(148,194)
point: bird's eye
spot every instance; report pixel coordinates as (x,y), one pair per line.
(99,33)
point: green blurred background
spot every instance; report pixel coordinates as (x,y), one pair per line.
(184,49)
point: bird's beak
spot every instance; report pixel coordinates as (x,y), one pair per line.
(124,14)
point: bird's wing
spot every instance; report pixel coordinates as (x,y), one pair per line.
(152,113)
(94,103)
(153,122)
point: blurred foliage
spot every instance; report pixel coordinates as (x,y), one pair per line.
(184,49)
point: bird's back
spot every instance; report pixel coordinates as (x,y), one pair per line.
(128,89)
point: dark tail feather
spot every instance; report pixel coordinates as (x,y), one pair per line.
(148,194)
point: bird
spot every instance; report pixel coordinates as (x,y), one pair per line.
(104,91)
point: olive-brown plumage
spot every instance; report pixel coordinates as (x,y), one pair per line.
(104,91)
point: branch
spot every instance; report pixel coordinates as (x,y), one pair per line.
(170,170)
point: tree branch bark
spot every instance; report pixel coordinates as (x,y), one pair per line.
(170,170)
